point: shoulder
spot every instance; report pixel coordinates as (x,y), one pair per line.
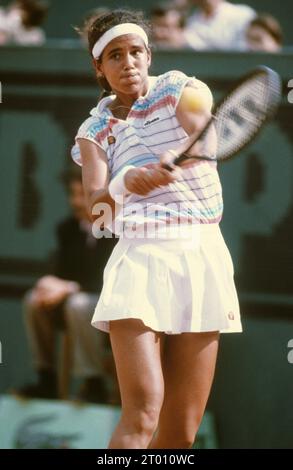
(95,128)
(170,84)
(175,81)
(175,78)
(93,125)
(171,77)
(98,120)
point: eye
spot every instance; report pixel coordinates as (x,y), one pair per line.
(115,56)
(137,52)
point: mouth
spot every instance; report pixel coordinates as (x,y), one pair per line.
(130,76)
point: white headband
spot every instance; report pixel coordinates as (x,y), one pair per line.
(119,30)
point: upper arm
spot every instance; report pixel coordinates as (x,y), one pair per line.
(95,170)
(194,108)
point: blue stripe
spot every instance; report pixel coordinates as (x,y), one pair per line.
(98,125)
(148,198)
(145,146)
(138,161)
(144,138)
(194,211)
(170,89)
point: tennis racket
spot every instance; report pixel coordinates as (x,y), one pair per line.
(237,118)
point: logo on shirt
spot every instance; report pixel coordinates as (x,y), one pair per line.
(231,315)
(111,140)
(151,121)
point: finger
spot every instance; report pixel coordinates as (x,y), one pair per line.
(140,187)
(151,165)
(165,175)
(152,178)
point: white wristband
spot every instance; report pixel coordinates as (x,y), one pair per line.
(117,188)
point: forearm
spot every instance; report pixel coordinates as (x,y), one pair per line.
(99,197)
(114,193)
(100,203)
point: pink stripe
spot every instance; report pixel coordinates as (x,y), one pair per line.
(105,132)
(167,100)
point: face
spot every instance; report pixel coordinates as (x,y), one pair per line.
(124,63)
(258,39)
(164,27)
(77,200)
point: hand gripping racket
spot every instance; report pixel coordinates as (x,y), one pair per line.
(237,118)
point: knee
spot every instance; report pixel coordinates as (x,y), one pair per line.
(184,433)
(142,419)
(142,412)
(79,306)
(185,440)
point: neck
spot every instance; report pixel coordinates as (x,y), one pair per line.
(127,100)
(119,110)
(119,103)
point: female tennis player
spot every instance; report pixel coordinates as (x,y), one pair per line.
(168,286)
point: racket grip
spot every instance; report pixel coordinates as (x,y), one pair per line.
(167,167)
(177,160)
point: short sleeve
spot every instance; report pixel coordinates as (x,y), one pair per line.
(91,129)
(174,83)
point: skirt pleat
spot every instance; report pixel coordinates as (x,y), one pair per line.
(173,286)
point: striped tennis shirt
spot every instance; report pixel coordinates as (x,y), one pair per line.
(151,128)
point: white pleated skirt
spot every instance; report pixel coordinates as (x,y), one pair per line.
(171,285)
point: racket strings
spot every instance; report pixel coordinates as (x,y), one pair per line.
(243,113)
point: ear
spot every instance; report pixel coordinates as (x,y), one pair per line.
(98,68)
(149,56)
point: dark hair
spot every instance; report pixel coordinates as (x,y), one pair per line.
(269,24)
(34,12)
(89,18)
(162,9)
(106,21)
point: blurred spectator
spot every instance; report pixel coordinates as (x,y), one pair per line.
(66,300)
(89,18)
(20,22)
(181,5)
(168,26)
(264,33)
(218,24)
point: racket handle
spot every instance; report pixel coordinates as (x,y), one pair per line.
(181,158)
(167,167)
(177,160)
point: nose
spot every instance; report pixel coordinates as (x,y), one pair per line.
(128,62)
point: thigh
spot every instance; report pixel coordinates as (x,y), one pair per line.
(189,365)
(137,353)
(37,317)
